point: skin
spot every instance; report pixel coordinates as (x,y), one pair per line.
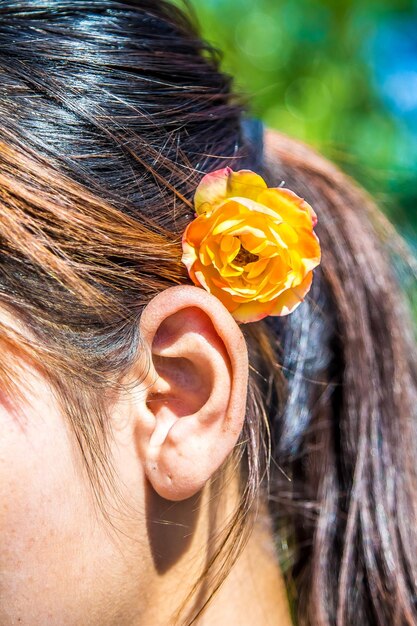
(62,561)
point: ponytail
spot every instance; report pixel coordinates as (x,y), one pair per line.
(342,490)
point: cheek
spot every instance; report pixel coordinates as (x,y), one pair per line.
(41,508)
(51,545)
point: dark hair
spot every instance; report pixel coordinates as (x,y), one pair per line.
(110,113)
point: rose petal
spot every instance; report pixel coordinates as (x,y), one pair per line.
(231,225)
(289,300)
(206,280)
(309,249)
(189,254)
(228,243)
(245,183)
(242,204)
(290,207)
(255,269)
(251,312)
(211,191)
(216,187)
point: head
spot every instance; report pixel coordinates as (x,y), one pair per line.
(139,421)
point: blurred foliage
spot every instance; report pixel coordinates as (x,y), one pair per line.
(339,74)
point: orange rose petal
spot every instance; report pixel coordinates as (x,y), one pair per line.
(251,312)
(200,228)
(252,233)
(289,300)
(277,288)
(223,295)
(290,207)
(235,250)
(242,205)
(208,284)
(277,270)
(287,233)
(189,254)
(211,191)
(269,288)
(270,295)
(255,269)
(228,257)
(225,269)
(310,251)
(269,251)
(240,290)
(228,243)
(245,183)
(276,236)
(231,270)
(231,224)
(310,264)
(295,199)
(224,183)
(258,245)
(205,255)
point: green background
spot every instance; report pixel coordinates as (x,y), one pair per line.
(338,74)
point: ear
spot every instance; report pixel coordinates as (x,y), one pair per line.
(193,408)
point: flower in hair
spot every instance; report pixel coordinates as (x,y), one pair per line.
(250,245)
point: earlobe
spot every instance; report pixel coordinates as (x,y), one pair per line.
(194,404)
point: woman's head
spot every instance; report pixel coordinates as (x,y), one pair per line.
(120,393)
(111,112)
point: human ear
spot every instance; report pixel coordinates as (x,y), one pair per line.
(193,407)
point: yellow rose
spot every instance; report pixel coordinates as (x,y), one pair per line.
(251,246)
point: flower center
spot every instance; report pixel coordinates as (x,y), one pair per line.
(244,257)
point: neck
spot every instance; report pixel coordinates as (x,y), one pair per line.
(253,591)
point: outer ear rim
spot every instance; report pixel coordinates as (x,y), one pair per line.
(186,296)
